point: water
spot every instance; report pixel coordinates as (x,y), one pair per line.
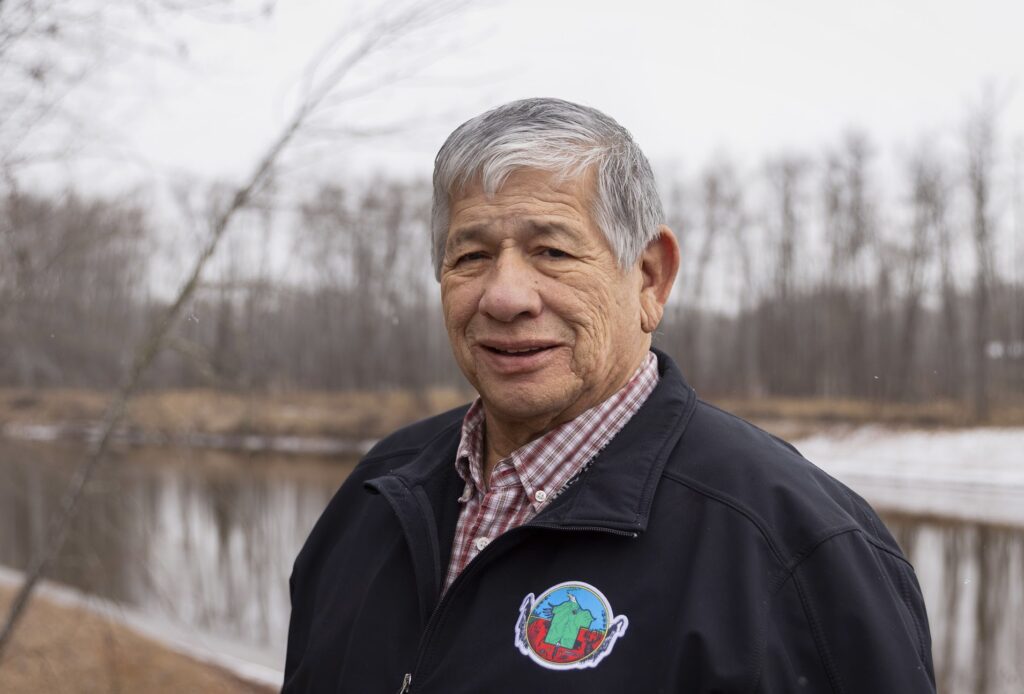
(207,540)
(972,576)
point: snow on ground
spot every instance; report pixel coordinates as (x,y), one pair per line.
(973,474)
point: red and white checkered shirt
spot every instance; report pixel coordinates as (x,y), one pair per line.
(528,479)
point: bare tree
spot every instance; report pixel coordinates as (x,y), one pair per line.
(366,249)
(928,204)
(780,343)
(850,233)
(951,358)
(744,355)
(70,271)
(52,51)
(720,211)
(333,66)
(979,140)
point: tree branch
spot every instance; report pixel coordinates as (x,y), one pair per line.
(390,29)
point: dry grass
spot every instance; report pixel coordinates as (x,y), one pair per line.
(349,415)
(370,415)
(938,413)
(68,650)
(24,406)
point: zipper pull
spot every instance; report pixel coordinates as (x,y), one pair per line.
(406,681)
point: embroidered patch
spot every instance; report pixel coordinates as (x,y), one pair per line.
(570,627)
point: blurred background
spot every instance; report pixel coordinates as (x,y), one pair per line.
(215,288)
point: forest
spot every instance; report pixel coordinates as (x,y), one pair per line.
(827,275)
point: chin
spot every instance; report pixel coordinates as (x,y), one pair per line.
(525,404)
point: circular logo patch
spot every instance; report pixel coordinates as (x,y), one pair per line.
(570,626)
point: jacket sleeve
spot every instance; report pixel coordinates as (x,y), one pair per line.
(296,637)
(850,618)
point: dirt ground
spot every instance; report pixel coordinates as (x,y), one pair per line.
(69,650)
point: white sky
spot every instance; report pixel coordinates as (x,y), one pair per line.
(750,77)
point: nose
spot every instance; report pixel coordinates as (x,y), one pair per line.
(510,290)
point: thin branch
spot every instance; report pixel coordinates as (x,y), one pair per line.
(386,32)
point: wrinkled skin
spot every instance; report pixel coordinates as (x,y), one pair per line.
(527,268)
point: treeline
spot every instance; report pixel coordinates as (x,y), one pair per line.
(802,276)
(837,289)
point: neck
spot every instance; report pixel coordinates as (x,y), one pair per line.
(503,436)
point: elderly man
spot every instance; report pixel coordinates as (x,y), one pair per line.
(587,524)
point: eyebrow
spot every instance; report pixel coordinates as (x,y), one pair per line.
(478,232)
(465,235)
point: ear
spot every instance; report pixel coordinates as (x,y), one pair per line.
(659,264)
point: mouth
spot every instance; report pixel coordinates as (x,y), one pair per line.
(517,350)
(517,358)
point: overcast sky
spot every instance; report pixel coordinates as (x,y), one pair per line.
(746,76)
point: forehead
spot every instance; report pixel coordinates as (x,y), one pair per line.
(525,194)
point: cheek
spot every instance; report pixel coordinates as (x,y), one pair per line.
(606,312)
(591,310)
(458,304)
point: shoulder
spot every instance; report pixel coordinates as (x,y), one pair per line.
(794,504)
(390,453)
(406,442)
(351,500)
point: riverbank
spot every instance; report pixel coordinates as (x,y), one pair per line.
(65,646)
(300,422)
(328,423)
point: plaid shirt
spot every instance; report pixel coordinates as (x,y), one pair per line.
(528,479)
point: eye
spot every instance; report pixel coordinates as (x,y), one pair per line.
(469,257)
(554,253)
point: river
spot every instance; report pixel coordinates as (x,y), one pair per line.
(203,541)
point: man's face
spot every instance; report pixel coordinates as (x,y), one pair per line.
(542,320)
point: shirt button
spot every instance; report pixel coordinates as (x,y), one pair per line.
(540,496)
(482,542)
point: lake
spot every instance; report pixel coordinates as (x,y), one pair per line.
(204,541)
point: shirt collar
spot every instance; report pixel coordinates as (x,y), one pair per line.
(543,466)
(469,457)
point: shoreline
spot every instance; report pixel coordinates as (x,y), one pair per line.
(349,423)
(186,657)
(240,443)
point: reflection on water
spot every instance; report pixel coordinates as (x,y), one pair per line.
(208,540)
(204,538)
(972,576)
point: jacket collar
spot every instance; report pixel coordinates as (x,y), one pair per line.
(617,489)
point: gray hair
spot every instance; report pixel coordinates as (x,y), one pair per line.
(566,139)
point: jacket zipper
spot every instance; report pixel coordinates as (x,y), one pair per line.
(435,616)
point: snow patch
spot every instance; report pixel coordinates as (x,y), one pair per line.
(972,474)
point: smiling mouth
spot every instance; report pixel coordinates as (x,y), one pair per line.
(516,351)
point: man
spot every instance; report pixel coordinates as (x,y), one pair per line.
(587,524)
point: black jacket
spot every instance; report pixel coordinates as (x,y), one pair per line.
(738,565)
